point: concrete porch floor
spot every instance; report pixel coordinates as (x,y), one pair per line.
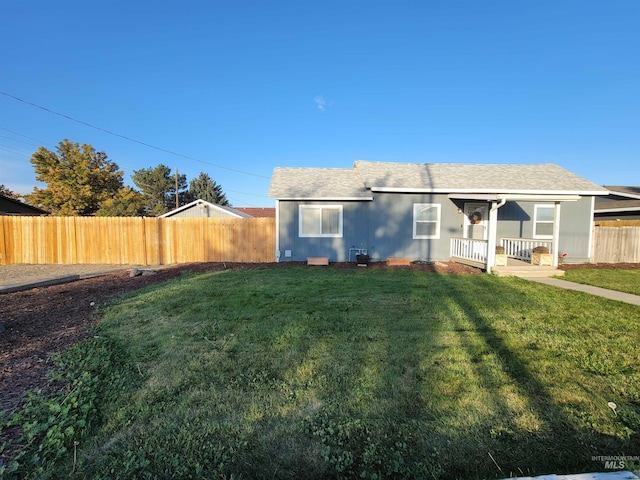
(518,268)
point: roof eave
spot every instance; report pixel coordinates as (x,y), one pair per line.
(199,202)
(325,199)
(617,210)
(478,191)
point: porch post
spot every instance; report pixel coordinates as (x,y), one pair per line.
(492,236)
(556,233)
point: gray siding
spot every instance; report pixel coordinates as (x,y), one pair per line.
(384,227)
(515,219)
(575,230)
(355,222)
(391,232)
(197,211)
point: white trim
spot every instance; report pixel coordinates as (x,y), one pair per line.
(320,207)
(277,252)
(514,197)
(555,246)
(616,210)
(535,220)
(488,191)
(591,226)
(203,202)
(618,193)
(438,221)
(326,199)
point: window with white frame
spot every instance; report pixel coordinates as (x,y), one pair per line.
(426,220)
(543,217)
(320,220)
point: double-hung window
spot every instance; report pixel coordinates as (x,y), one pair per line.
(543,221)
(320,220)
(426,220)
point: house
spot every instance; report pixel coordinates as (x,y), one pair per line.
(203,209)
(622,203)
(432,212)
(11,206)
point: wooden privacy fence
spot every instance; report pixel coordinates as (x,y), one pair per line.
(619,244)
(135,240)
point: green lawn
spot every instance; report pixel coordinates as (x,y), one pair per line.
(621,280)
(303,372)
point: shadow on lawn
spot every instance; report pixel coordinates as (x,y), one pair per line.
(504,445)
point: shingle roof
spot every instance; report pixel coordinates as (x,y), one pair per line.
(494,178)
(258,212)
(316,183)
(366,176)
(632,192)
(605,205)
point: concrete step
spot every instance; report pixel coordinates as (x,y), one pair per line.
(534,272)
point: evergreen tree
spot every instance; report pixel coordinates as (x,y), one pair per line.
(158,187)
(205,188)
(8,193)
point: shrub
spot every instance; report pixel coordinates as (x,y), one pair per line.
(500,250)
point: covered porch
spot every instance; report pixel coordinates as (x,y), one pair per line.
(518,256)
(481,252)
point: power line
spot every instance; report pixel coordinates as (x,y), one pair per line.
(120,165)
(30,138)
(129,138)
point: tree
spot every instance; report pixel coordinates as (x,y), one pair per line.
(158,186)
(126,203)
(78,179)
(205,188)
(9,193)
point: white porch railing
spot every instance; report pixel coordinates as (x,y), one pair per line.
(469,249)
(520,248)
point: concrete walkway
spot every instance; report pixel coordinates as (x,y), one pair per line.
(601,292)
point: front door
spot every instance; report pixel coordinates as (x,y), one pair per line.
(476,221)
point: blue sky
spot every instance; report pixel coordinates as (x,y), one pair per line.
(241,87)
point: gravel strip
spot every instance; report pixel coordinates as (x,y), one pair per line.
(23,273)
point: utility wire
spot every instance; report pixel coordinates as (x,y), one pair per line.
(38,142)
(128,138)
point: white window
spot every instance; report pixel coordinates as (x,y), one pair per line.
(426,220)
(543,221)
(320,220)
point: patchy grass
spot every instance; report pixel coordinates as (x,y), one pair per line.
(322,373)
(621,280)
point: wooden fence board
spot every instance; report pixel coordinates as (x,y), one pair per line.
(3,249)
(619,244)
(135,240)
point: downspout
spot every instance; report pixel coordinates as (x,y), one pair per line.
(493,233)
